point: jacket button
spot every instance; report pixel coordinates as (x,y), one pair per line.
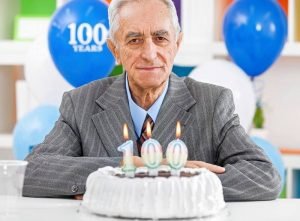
(74,188)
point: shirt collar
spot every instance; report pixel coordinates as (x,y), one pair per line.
(138,114)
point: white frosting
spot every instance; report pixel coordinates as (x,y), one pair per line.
(159,197)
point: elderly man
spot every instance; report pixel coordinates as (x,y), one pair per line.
(144,38)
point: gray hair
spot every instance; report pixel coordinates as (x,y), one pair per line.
(116,5)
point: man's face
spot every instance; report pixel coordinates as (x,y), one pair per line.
(146,43)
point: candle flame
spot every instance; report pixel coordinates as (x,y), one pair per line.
(148,129)
(178,130)
(125,132)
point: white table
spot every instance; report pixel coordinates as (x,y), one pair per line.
(42,209)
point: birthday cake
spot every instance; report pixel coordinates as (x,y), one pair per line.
(193,193)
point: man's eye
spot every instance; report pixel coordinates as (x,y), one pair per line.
(159,38)
(135,41)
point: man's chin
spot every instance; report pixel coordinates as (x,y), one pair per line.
(150,84)
(148,81)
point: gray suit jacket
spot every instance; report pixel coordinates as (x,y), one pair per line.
(89,130)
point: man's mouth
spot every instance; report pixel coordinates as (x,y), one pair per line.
(149,68)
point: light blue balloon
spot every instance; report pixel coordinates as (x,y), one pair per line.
(32,129)
(274,155)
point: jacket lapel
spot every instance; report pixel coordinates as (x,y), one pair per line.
(177,102)
(115,112)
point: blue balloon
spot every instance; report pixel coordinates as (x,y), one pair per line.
(32,129)
(255,32)
(273,154)
(77,41)
(182,71)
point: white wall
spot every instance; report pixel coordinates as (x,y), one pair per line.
(281,100)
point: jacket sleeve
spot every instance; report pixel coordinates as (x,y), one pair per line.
(56,167)
(249,174)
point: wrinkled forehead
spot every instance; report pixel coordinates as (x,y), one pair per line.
(145,17)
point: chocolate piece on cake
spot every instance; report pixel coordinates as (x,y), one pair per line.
(165,174)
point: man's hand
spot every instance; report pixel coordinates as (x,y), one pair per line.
(200,164)
(137,161)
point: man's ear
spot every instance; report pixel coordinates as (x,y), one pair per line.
(114,50)
(179,40)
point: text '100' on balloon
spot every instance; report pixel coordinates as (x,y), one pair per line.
(77,41)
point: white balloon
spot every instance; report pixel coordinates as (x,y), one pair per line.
(227,74)
(44,81)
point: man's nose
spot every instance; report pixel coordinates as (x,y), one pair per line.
(149,50)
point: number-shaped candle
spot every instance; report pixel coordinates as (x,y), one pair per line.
(177,153)
(151,153)
(127,149)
